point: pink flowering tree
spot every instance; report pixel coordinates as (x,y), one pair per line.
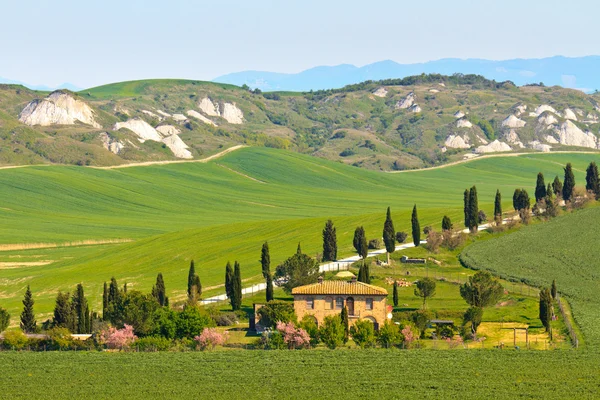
(211,338)
(408,335)
(294,338)
(115,338)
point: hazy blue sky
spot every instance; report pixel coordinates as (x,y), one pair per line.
(93,42)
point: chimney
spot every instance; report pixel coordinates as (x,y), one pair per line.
(320,279)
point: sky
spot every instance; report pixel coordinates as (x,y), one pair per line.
(88,43)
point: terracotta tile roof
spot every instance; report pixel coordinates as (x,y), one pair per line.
(340,287)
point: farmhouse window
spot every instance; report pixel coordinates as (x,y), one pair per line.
(369,304)
(310,303)
(339,303)
(329,303)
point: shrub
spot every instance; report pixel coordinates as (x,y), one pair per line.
(191,322)
(276,311)
(15,340)
(408,335)
(60,337)
(374,244)
(401,237)
(211,338)
(389,335)
(363,333)
(427,229)
(421,320)
(452,240)
(347,153)
(271,340)
(117,338)
(434,240)
(4,319)
(331,331)
(309,324)
(481,216)
(294,338)
(153,343)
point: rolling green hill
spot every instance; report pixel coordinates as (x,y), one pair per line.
(218,211)
(370,125)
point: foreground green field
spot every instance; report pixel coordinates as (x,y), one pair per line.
(302,374)
(563,249)
(218,211)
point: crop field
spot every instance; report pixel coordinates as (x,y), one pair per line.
(218,211)
(423,374)
(563,249)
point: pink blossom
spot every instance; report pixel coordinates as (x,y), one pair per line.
(117,338)
(295,338)
(408,334)
(211,338)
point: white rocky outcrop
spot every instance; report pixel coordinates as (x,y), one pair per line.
(551,139)
(168,130)
(434,90)
(209,108)
(110,143)
(482,139)
(547,119)
(569,134)
(520,109)
(569,114)
(512,137)
(464,123)
(232,114)
(408,101)
(179,117)
(459,114)
(197,115)
(513,122)
(415,108)
(58,108)
(153,115)
(381,92)
(536,145)
(591,118)
(177,146)
(164,114)
(141,128)
(495,147)
(542,108)
(456,142)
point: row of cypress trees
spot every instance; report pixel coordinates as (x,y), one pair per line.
(233,285)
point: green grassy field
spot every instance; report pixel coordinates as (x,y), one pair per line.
(389,374)
(218,211)
(562,249)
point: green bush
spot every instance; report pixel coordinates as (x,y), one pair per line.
(152,343)
(310,326)
(60,338)
(347,153)
(15,340)
(363,333)
(331,331)
(389,335)
(190,323)
(276,311)
(271,340)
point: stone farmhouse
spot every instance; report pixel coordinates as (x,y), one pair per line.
(328,297)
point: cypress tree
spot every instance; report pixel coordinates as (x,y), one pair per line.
(516,196)
(395,296)
(568,183)
(540,187)
(191,277)
(361,273)
(367,272)
(62,310)
(592,180)
(265,260)
(299,249)
(446,223)
(546,308)
(466,208)
(229,281)
(159,290)
(416,227)
(80,309)
(389,234)
(329,242)
(115,300)
(236,300)
(498,207)
(553,291)
(345,323)
(360,242)
(125,288)
(197,286)
(473,210)
(87,326)
(549,190)
(269,288)
(105,302)
(28,322)
(557,186)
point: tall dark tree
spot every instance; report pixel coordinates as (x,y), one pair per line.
(553,290)
(63,311)
(159,290)
(498,207)
(265,260)
(269,287)
(191,277)
(466,208)
(546,308)
(329,242)
(87,320)
(389,234)
(473,210)
(364,275)
(345,323)
(299,249)
(568,183)
(236,300)
(521,200)
(105,301)
(540,187)
(229,281)
(115,302)
(197,287)
(416,227)
(28,322)
(446,223)
(360,242)
(79,306)
(4,319)
(395,294)
(557,186)
(592,180)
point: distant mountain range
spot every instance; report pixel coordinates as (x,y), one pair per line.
(44,88)
(575,73)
